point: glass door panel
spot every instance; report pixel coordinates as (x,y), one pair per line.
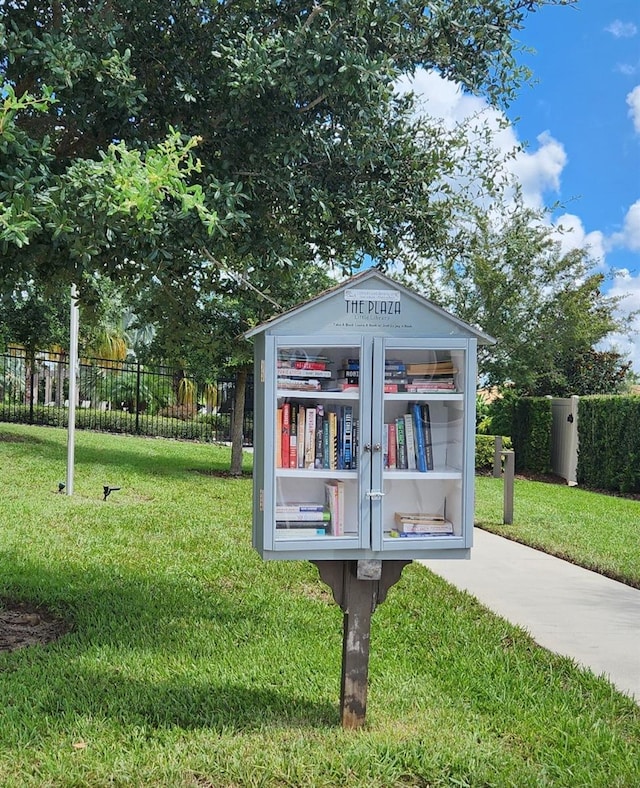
(317,435)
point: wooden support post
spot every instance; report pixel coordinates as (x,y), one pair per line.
(358,587)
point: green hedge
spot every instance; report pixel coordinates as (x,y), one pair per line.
(609,443)
(531,434)
(203,428)
(485,448)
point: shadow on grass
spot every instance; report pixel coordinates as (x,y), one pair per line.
(214,642)
(133,457)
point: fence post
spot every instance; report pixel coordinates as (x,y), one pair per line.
(497,457)
(509,473)
(138,398)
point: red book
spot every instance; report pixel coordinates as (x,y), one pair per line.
(393,454)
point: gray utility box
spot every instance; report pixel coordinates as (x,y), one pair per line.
(364,432)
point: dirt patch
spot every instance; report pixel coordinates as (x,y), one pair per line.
(23,624)
(218,474)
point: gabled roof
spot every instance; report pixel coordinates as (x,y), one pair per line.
(372,277)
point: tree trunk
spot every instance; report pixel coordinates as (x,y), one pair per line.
(237,420)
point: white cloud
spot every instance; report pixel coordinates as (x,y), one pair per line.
(571,234)
(620,29)
(627,287)
(629,237)
(633,100)
(539,171)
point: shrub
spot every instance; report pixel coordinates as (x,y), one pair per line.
(532,434)
(485,448)
(609,443)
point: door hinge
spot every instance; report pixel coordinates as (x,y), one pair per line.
(261,370)
(261,500)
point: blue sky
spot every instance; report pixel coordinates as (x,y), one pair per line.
(580,119)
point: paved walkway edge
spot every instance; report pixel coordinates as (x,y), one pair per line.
(567,609)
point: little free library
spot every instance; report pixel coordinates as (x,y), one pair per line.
(364,427)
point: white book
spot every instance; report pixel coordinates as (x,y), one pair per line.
(410,441)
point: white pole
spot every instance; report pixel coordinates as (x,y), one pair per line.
(73,386)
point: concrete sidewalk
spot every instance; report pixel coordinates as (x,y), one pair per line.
(568,610)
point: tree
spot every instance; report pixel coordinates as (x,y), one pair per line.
(587,372)
(214,345)
(303,149)
(546,308)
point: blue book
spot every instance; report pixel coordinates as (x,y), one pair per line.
(421,455)
(347,437)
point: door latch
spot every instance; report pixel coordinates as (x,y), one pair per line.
(375,495)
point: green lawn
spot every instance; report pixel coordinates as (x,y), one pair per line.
(597,531)
(193,663)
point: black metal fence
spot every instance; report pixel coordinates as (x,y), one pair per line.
(119,396)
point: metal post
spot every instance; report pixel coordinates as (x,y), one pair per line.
(138,399)
(497,457)
(73,384)
(509,473)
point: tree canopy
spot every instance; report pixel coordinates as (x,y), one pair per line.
(546,307)
(136,134)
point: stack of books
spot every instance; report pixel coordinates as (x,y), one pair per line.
(295,520)
(349,375)
(302,372)
(395,375)
(423,378)
(421,524)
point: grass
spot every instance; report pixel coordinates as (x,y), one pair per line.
(193,663)
(599,532)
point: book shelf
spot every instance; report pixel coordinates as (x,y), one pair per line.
(365,427)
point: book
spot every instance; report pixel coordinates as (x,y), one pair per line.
(291,532)
(432,368)
(285,445)
(326,454)
(393,447)
(354,374)
(405,535)
(300,431)
(302,384)
(310,438)
(356,444)
(410,441)
(333,437)
(422,524)
(319,437)
(418,430)
(303,516)
(347,437)
(293,437)
(279,438)
(303,372)
(293,363)
(334,494)
(303,519)
(293,507)
(426,428)
(401,444)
